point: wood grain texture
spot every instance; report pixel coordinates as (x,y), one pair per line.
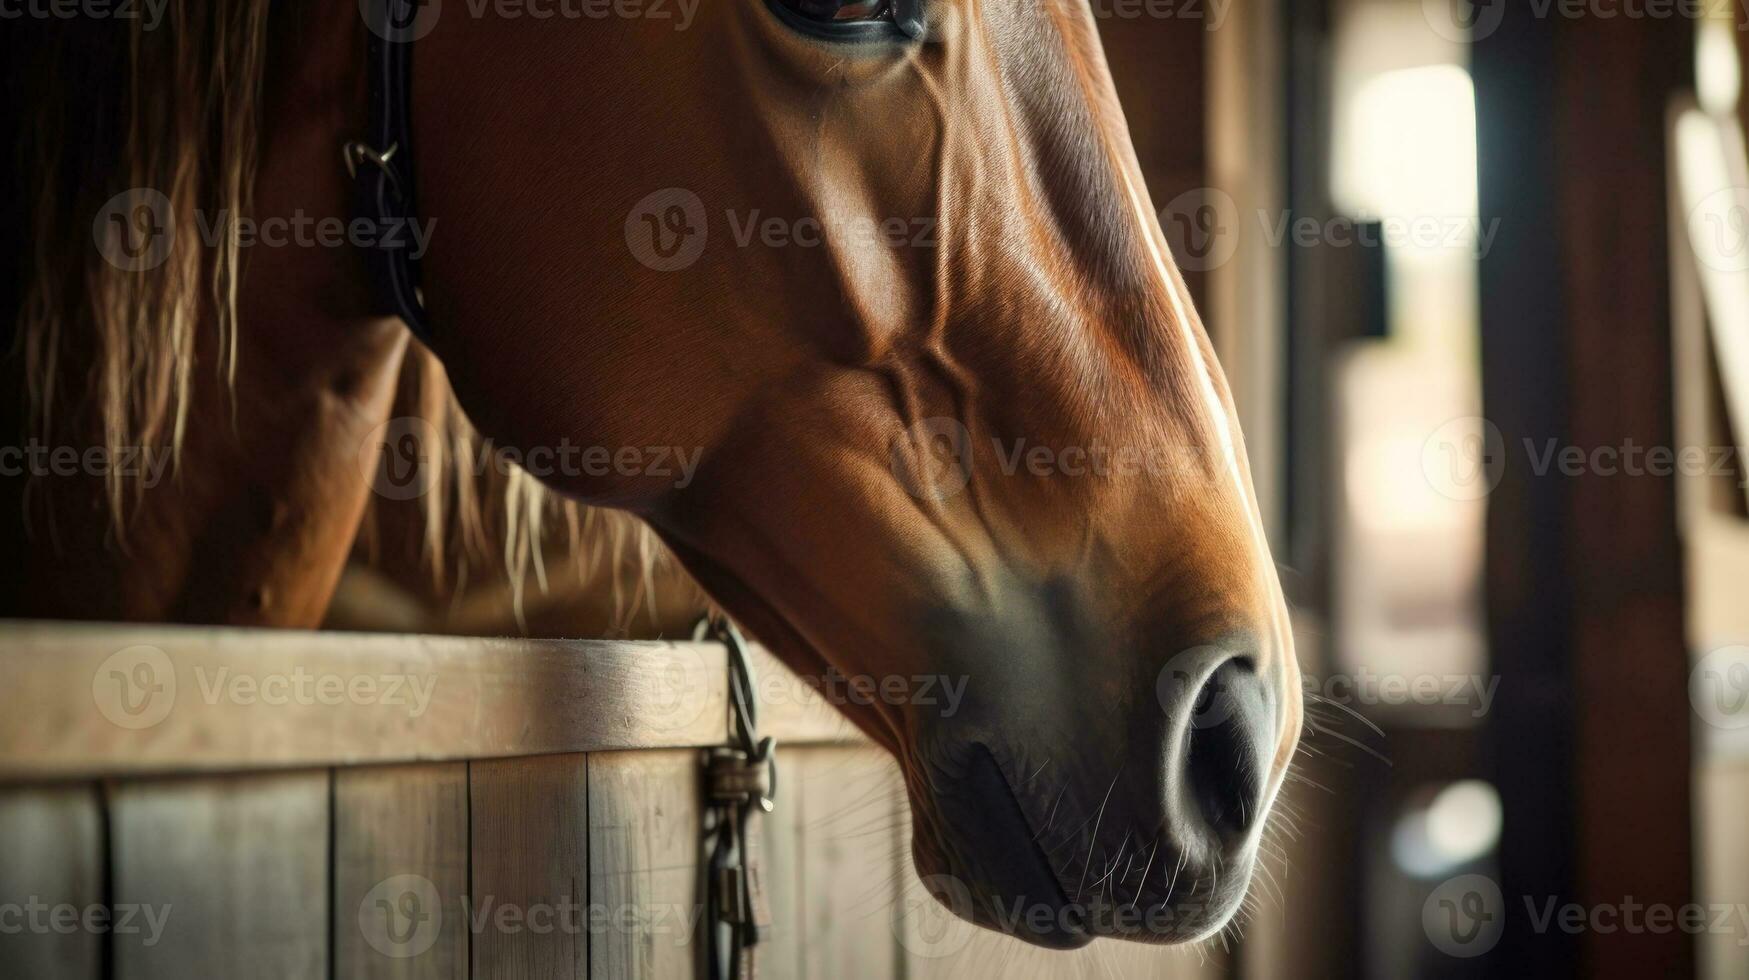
(401,872)
(644,821)
(850,802)
(235,867)
(530,858)
(94,700)
(780,958)
(51,881)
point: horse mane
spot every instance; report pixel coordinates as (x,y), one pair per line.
(110,354)
(486,513)
(109,106)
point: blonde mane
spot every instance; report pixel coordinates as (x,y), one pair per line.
(109,354)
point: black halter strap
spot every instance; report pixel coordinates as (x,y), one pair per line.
(381,165)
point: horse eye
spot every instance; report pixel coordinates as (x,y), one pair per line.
(842,10)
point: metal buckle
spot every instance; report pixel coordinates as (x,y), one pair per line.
(735,778)
(355,152)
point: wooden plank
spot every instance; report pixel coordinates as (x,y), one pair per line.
(401,871)
(850,802)
(780,851)
(85,700)
(51,883)
(644,822)
(236,870)
(530,857)
(791,710)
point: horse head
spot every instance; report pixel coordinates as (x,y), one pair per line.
(891,269)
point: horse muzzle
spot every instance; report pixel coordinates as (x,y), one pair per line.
(1136,820)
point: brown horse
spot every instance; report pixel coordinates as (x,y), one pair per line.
(901,296)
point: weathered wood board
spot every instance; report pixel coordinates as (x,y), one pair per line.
(51,883)
(401,872)
(530,852)
(229,876)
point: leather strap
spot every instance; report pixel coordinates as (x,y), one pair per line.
(382,164)
(740,784)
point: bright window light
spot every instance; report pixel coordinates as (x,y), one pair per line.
(1717,69)
(1407,149)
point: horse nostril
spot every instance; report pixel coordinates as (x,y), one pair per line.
(1231,729)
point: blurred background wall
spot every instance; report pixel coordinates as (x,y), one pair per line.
(1479,273)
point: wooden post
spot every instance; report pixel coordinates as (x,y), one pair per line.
(1591,729)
